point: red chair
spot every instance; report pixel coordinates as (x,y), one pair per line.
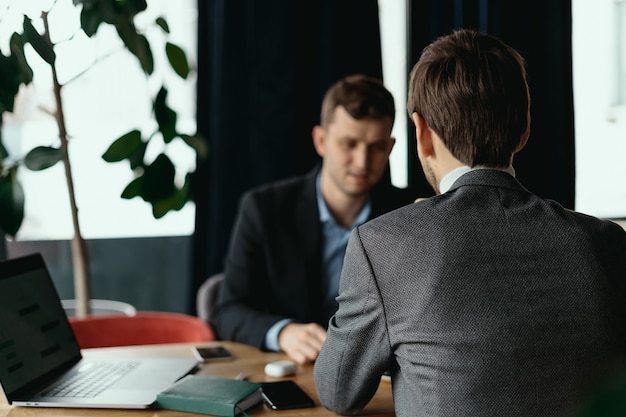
(144,328)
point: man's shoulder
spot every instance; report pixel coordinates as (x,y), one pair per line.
(283,191)
(284,185)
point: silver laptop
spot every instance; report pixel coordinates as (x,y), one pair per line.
(41,363)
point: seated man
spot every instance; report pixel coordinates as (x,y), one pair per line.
(286,251)
(484,300)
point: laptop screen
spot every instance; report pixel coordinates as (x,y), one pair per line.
(36,339)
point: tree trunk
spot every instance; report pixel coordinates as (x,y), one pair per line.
(80,257)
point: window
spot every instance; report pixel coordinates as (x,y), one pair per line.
(599,78)
(393,33)
(620,51)
(101,104)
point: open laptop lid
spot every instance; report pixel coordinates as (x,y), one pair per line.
(37,343)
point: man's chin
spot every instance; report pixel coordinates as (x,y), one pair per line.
(359,190)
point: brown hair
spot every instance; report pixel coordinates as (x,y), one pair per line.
(362,96)
(472,90)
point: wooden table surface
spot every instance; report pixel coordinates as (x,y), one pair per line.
(248,360)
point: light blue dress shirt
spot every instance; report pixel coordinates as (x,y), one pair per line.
(334,242)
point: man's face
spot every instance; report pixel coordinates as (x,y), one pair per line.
(429,174)
(355,152)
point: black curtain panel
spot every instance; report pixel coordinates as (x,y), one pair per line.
(263,67)
(541,31)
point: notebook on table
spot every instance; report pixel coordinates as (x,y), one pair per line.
(41,364)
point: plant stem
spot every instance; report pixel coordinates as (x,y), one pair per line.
(80,257)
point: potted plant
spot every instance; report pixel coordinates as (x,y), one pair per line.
(153,180)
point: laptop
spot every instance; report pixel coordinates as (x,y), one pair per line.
(39,354)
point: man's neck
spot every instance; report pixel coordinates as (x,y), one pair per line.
(343,207)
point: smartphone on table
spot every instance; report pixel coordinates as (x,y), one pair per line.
(284,395)
(208,353)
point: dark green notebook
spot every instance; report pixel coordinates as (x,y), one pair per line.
(210,395)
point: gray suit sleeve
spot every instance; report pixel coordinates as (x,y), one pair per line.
(357,350)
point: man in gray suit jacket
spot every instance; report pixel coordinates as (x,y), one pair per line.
(484,300)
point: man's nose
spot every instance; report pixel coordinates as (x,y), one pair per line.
(361,156)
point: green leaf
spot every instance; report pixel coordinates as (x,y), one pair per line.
(112,12)
(41,45)
(130,8)
(184,195)
(11,203)
(9,82)
(198,143)
(178,59)
(133,189)
(90,19)
(158,179)
(175,201)
(17,49)
(137,44)
(163,24)
(136,159)
(42,157)
(165,117)
(14,70)
(123,147)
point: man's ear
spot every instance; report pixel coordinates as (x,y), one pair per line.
(423,136)
(523,140)
(318,134)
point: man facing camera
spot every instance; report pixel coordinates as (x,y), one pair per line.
(484,300)
(288,242)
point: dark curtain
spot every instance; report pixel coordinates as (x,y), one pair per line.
(263,67)
(541,31)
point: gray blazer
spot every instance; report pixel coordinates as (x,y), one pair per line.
(483,301)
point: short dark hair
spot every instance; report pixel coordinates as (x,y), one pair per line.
(362,96)
(472,90)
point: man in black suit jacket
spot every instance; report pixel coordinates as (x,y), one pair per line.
(283,264)
(484,300)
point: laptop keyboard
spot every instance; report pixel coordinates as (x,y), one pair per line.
(90,380)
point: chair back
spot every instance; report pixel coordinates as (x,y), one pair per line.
(144,328)
(208,295)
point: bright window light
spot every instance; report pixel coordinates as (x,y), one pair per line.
(600,120)
(100,105)
(393,33)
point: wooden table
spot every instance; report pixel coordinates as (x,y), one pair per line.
(248,360)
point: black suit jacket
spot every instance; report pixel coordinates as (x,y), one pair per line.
(273,266)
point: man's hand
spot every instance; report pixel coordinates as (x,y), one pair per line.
(302,342)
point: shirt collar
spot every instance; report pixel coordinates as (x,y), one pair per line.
(448,180)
